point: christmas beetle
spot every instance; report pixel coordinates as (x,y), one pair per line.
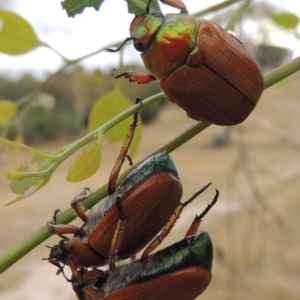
(181,271)
(146,201)
(201,67)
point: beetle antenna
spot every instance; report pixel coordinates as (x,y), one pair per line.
(119,48)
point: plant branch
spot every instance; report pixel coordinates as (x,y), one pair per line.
(29,243)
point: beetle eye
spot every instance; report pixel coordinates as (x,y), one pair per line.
(158,14)
(138,46)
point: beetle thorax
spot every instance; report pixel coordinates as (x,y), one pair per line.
(172,45)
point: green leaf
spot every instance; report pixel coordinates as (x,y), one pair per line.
(108,107)
(25,186)
(26,183)
(286,20)
(16,35)
(74,7)
(22,185)
(87,163)
(138,7)
(8,109)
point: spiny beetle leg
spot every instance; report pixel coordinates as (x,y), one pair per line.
(56,212)
(116,238)
(75,204)
(123,153)
(170,223)
(134,76)
(197,221)
(61,229)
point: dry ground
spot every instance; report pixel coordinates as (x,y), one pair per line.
(254,226)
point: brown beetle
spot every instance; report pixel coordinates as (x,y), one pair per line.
(200,66)
(181,271)
(147,201)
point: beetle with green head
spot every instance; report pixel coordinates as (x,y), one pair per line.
(200,66)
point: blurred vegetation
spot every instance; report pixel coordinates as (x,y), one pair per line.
(74,93)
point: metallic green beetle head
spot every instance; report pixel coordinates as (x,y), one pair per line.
(143,29)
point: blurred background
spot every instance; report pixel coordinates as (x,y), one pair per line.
(255,165)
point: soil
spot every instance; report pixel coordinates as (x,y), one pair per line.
(254,226)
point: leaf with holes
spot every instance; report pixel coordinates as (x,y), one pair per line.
(138,7)
(74,7)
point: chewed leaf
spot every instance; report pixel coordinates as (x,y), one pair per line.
(74,7)
(108,107)
(8,109)
(286,20)
(26,194)
(25,182)
(21,181)
(16,34)
(87,163)
(22,185)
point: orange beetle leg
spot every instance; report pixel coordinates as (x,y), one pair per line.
(123,153)
(134,76)
(198,219)
(170,223)
(62,229)
(76,201)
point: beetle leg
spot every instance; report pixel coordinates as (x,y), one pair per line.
(56,212)
(170,223)
(123,153)
(177,4)
(134,76)
(83,275)
(116,238)
(62,229)
(75,204)
(197,221)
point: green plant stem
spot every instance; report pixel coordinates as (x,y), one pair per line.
(282,72)
(29,243)
(237,15)
(216,7)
